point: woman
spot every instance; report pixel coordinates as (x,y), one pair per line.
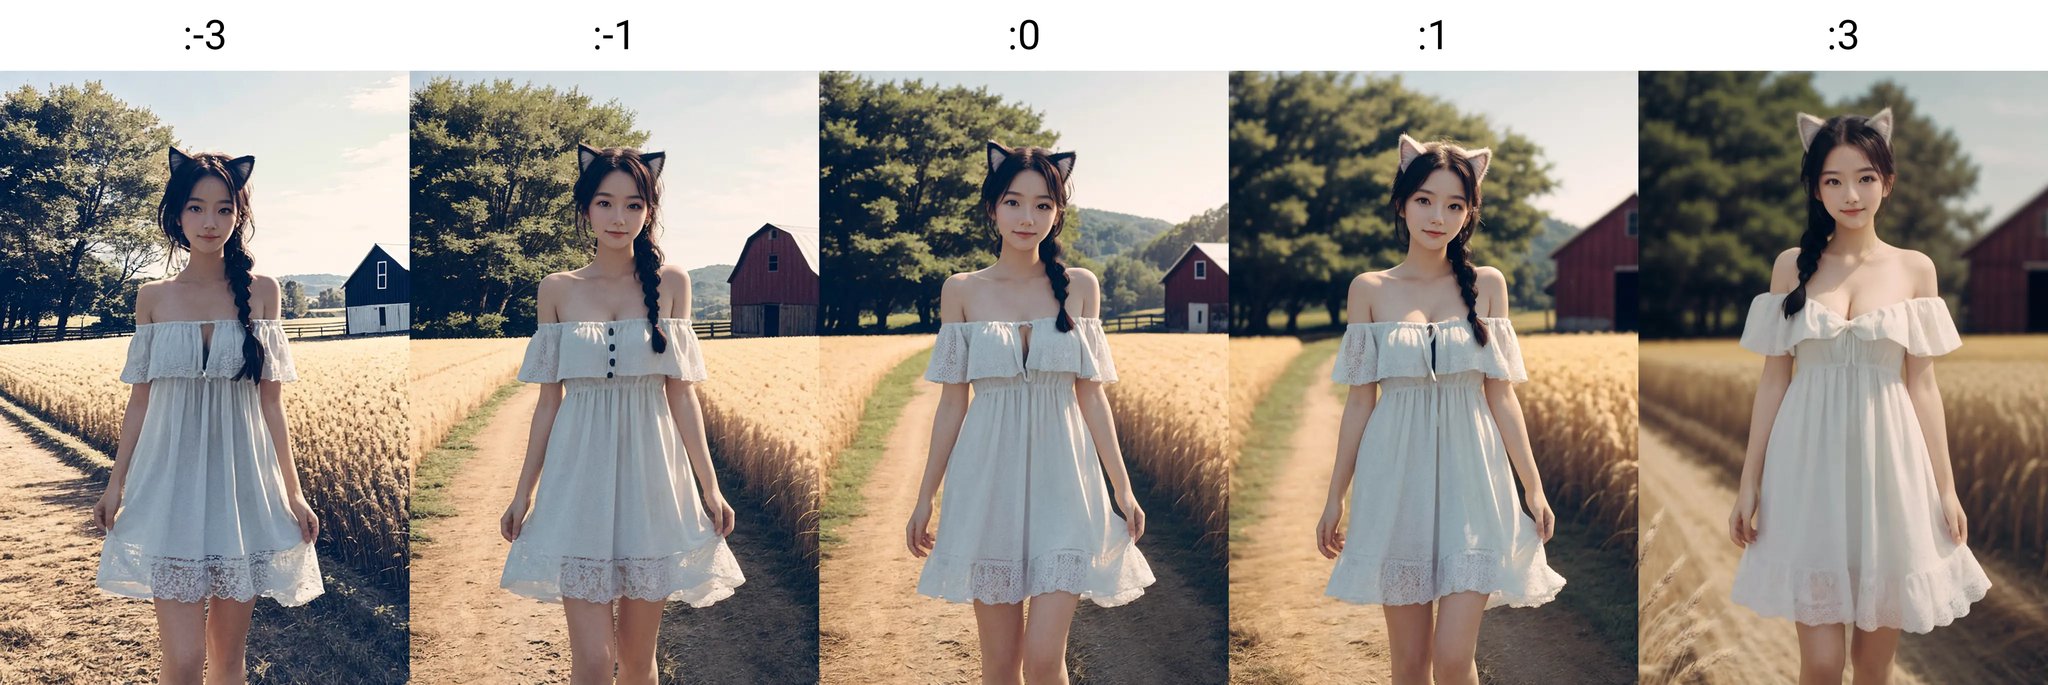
(630,515)
(1847,510)
(1430,428)
(203,510)
(1027,511)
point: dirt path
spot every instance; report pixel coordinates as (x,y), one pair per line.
(876,628)
(1694,499)
(1286,630)
(467,629)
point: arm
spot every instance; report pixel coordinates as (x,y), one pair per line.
(1359,403)
(1925,394)
(544,411)
(953,400)
(1096,415)
(1507,414)
(109,505)
(1763,414)
(688,413)
(265,294)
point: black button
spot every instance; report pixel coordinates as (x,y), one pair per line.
(607,374)
(610,331)
(613,362)
(611,348)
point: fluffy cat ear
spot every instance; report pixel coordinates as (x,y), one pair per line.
(1809,125)
(996,154)
(1065,161)
(585,154)
(654,161)
(1882,121)
(240,168)
(1410,149)
(1479,159)
(179,160)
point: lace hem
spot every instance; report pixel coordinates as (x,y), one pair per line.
(698,577)
(1916,603)
(290,576)
(1108,580)
(1392,581)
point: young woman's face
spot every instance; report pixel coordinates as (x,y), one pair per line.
(1851,187)
(617,212)
(208,217)
(1026,212)
(1437,210)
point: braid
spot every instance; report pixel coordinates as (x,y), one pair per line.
(238,263)
(1049,252)
(1811,244)
(1461,266)
(647,262)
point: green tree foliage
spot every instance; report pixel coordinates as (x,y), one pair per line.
(1311,170)
(1721,195)
(492,169)
(294,300)
(1212,226)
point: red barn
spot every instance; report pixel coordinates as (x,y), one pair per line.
(2008,288)
(1595,288)
(1198,289)
(775,283)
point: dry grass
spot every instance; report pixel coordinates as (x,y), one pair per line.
(1671,630)
(1254,364)
(1580,405)
(450,378)
(1172,420)
(1991,395)
(857,364)
(759,413)
(346,417)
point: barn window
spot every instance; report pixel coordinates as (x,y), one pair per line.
(1631,223)
(383,278)
(1201,270)
(774,263)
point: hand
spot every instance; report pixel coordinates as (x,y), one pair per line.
(103,512)
(1742,520)
(514,519)
(302,514)
(917,533)
(720,512)
(1330,540)
(1134,516)
(1952,515)
(1539,509)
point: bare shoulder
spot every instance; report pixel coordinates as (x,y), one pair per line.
(1492,285)
(1359,297)
(261,285)
(672,272)
(1083,280)
(146,296)
(1920,270)
(953,297)
(1491,277)
(1785,271)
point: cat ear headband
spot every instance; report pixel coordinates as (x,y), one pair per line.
(586,154)
(239,168)
(1479,159)
(997,153)
(1810,125)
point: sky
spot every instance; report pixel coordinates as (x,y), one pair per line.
(1153,144)
(1585,122)
(742,149)
(330,147)
(2001,119)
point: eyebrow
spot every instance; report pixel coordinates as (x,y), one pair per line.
(1008,193)
(1856,171)
(605,194)
(1454,197)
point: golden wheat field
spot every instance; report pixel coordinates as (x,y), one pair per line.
(1171,407)
(346,416)
(1991,395)
(855,365)
(1580,406)
(758,403)
(1254,364)
(451,377)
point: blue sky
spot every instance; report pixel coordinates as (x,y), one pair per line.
(2001,118)
(742,148)
(1584,121)
(330,151)
(1154,144)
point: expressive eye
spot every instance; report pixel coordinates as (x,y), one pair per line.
(1009,203)
(1457,206)
(604,203)
(633,206)
(1869,179)
(1830,182)
(1422,201)
(1045,207)
(227,211)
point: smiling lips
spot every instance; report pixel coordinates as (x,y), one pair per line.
(1435,234)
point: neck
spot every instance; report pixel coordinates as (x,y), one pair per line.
(1854,242)
(1015,262)
(614,262)
(204,266)
(1423,262)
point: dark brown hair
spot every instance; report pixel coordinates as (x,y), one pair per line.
(596,165)
(186,172)
(1032,158)
(1847,129)
(1444,156)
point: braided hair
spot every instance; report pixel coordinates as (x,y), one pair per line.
(186,172)
(1847,129)
(645,170)
(1458,252)
(1004,166)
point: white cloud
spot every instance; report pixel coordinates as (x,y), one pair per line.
(388,96)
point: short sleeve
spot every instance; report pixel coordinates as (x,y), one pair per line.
(277,351)
(1767,331)
(684,358)
(543,362)
(949,355)
(1357,357)
(1930,331)
(1096,363)
(1504,350)
(137,369)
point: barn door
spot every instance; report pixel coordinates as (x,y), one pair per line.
(1624,300)
(771,320)
(2037,301)
(1198,317)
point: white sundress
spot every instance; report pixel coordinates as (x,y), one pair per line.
(203,510)
(1435,508)
(1025,508)
(1849,520)
(617,513)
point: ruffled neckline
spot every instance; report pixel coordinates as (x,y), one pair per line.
(1018,322)
(679,319)
(1810,302)
(1921,325)
(256,322)
(1439,322)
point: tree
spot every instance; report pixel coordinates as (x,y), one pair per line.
(330,299)
(294,297)
(1130,284)
(493,165)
